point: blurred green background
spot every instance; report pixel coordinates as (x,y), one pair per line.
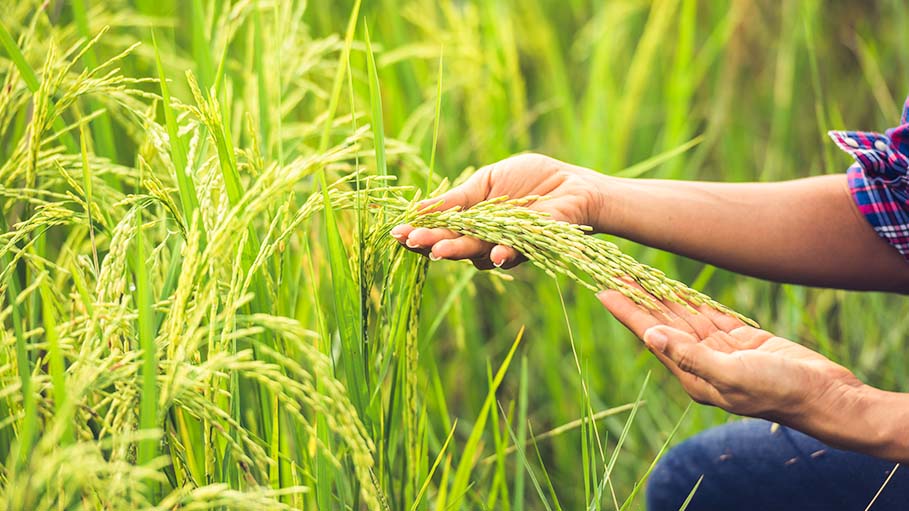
(603,84)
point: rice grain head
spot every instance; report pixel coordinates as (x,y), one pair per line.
(561,248)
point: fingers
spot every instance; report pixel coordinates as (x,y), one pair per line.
(647,324)
(723,321)
(688,354)
(479,252)
(699,389)
(462,247)
(505,257)
(474,190)
(635,318)
(748,337)
(440,243)
(698,323)
(423,238)
(738,335)
(401,232)
(446,244)
(698,367)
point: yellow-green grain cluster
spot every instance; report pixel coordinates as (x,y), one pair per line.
(562,248)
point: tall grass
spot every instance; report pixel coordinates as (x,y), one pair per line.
(201,307)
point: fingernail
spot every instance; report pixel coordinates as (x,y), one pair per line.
(498,264)
(433,257)
(411,244)
(656,339)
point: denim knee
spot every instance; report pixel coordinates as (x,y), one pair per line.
(754,465)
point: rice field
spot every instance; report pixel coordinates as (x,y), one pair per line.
(202,305)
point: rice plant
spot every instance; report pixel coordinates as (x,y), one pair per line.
(202,308)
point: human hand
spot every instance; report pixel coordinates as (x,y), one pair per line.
(573,195)
(721,361)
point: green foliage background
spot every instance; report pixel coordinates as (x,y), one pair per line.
(600,84)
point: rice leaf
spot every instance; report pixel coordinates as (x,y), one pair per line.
(188,199)
(638,169)
(435,126)
(521,437)
(102,128)
(56,363)
(148,406)
(201,45)
(15,54)
(435,464)
(345,289)
(639,484)
(471,448)
(375,102)
(22,451)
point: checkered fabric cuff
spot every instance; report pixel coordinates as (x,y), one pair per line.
(879,180)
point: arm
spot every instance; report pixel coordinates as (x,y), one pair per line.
(806,231)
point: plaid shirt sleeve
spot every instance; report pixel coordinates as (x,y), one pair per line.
(879,180)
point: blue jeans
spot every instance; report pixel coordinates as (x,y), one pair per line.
(750,465)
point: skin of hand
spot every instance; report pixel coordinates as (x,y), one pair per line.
(722,362)
(571,192)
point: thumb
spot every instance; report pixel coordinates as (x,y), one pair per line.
(472,191)
(687,353)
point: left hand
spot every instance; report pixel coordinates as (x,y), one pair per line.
(744,370)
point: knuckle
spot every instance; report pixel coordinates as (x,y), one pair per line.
(487,171)
(528,157)
(460,195)
(534,161)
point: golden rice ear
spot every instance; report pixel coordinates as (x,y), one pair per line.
(562,248)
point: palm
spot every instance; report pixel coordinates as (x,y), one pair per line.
(743,342)
(722,362)
(780,371)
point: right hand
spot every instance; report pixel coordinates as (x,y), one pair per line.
(573,195)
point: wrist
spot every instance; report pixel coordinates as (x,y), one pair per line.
(609,209)
(885,423)
(859,418)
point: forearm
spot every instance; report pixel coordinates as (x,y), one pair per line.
(806,231)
